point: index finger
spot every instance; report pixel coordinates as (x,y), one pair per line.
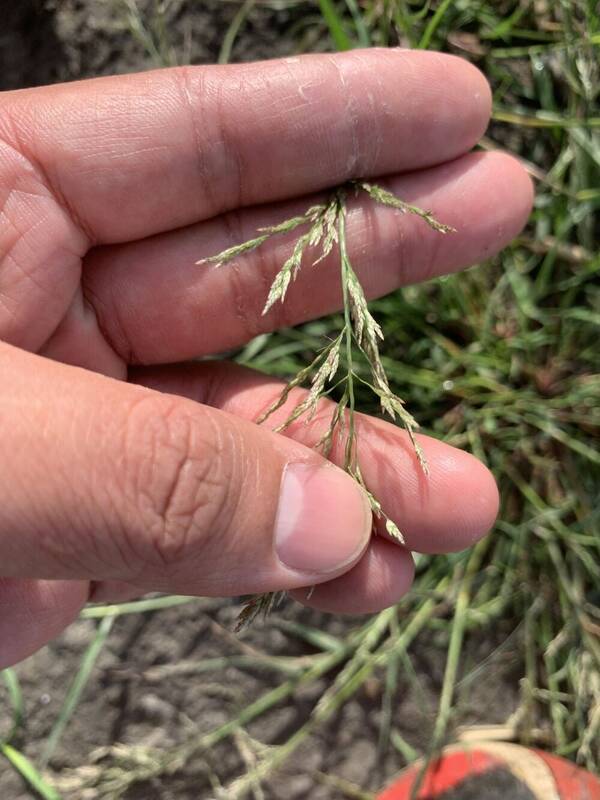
(135,155)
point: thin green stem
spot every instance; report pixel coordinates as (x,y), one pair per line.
(16,698)
(453,659)
(76,689)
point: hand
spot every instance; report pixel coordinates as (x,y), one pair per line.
(120,476)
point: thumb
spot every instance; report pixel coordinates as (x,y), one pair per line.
(103,480)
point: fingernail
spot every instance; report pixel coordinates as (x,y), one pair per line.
(323,519)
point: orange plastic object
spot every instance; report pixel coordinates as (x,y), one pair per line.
(542,775)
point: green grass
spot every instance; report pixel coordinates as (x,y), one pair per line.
(503,361)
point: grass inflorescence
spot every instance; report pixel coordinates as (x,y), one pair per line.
(325,229)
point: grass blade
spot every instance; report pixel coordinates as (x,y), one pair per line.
(544,119)
(16,698)
(433,23)
(334,22)
(136,606)
(362,33)
(76,689)
(29,773)
(233,30)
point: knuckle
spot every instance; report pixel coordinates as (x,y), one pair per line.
(176,480)
(205,103)
(250,278)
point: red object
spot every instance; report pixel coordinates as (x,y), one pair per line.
(492,765)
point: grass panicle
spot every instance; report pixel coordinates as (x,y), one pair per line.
(360,334)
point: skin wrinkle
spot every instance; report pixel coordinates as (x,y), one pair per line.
(354,151)
(17,486)
(114,158)
(93,526)
(113,336)
(108,112)
(20,325)
(375,127)
(295,123)
(114,155)
(23,235)
(239,465)
(234,198)
(175,539)
(138,464)
(12,313)
(242,280)
(285,113)
(14,190)
(104,136)
(69,242)
(24,150)
(179,491)
(107,499)
(384,107)
(70,542)
(235,232)
(78,340)
(25,193)
(183,84)
(235,276)
(11,257)
(302,90)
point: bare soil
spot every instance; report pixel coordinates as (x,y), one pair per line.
(45,42)
(132,698)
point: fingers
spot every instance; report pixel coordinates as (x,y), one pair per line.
(33,612)
(109,481)
(155,305)
(138,154)
(446,511)
(381,578)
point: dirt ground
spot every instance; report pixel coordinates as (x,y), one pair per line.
(124,701)
(45,42)
(131,698)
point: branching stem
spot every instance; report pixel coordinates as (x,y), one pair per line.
(326,227)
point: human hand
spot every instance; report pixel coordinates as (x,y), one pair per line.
(121,476)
